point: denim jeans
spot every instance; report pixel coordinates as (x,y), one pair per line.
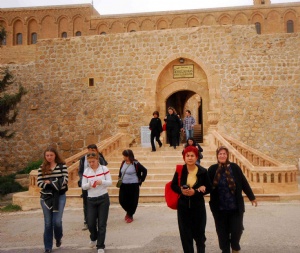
(189,133)
(53,222)
(98,208)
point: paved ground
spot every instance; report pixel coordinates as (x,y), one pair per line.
(269,228)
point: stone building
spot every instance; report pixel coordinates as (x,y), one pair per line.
(237,70)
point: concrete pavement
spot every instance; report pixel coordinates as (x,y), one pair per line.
(270,227)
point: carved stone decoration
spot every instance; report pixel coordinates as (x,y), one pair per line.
(213,119)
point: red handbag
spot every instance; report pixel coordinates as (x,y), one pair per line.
(172,197)
(164,127)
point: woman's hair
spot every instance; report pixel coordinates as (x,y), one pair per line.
(93,155)
(190,149)
(171,108)
(92,146)
(129,153)
(155,113)
(187,142)
(46,165)
(226,150)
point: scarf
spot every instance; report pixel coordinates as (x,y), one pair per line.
(230,181)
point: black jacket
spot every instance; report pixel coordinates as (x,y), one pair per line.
(155,125)
(202,179)
(241,185)
(172,121)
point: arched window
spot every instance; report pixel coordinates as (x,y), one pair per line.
(19,39)
(33,38)
(102,33)
(258,27)
(290,26)
(132,31)
(78,33)
(64,35)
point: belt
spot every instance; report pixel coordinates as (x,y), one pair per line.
(97,198)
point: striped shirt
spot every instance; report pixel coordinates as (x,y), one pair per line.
(188,122)
(56,173)
(90,176)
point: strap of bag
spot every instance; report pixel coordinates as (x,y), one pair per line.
(125,171)
(179,171)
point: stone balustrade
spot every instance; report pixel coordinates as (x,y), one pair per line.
(268,175)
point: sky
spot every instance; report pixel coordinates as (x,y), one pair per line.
(105,7)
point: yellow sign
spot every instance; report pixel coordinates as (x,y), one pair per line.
(183,71)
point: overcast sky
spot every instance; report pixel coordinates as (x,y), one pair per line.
(134,6)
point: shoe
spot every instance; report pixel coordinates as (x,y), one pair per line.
(58,243)
(100,251)
(160,145)
(47,251)
(153,150)
(174,147)
(126,217)
(129,220)
(93,244)
(85,226)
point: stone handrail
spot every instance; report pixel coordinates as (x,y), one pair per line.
(106,147)
(263,172)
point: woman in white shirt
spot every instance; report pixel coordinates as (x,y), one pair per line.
(96,178)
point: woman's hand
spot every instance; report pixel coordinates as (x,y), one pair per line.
(254,203)
(201,189)
(188,192)
(47,181)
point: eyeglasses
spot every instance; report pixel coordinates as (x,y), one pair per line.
(91,155)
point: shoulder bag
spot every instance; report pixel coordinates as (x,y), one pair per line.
(172,197)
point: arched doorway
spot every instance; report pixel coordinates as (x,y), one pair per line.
(188,100)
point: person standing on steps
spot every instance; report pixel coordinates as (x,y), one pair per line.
(83,164)
(173,126)
(188,124)
(156,129)
(53,181)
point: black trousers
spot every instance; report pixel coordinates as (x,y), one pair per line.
(129,197)
(229,227)
(155,135)
(191,222)
(98,209)
(172,133)
(84,200)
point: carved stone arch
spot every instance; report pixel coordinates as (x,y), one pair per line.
(225,19)
(18,32)
(102,28)
(240,19)
(256,16)
(147,25)
(162,24)
(63,25)
(78,24)
(32,28)
(290,15)
(117,27)
(178,22)
(207,86)
(11,22)
(193,21)
(48,25)
(209,20)
(132,25)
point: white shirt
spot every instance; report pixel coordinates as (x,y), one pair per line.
(90,176)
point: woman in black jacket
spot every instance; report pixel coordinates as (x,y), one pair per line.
(173,126)
(226,200)
(191,212)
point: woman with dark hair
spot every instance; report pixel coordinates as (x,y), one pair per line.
(226,200)
(191,142)
(156,129)
(133,174)
(173,126)
(191,212)
(53,179)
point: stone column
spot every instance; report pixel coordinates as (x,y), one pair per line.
(123,123)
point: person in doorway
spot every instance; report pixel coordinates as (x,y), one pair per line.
(53,181)
(96,178)
(191,212)
(191,142)
(83,164)
(156,129)
(180,130)
(226,200)
(133,174)
(188,124)
(173,126)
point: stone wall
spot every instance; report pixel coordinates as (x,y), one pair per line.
(255,88)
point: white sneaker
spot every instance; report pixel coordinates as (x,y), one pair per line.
(101,251)
(93,244)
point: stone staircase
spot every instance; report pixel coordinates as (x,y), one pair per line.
(160,167)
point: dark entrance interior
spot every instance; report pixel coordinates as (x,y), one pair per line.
(178,101)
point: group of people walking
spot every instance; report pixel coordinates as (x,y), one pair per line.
(224,181)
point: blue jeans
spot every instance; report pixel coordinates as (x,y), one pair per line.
(97,210)
(53,222)
(189,133)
